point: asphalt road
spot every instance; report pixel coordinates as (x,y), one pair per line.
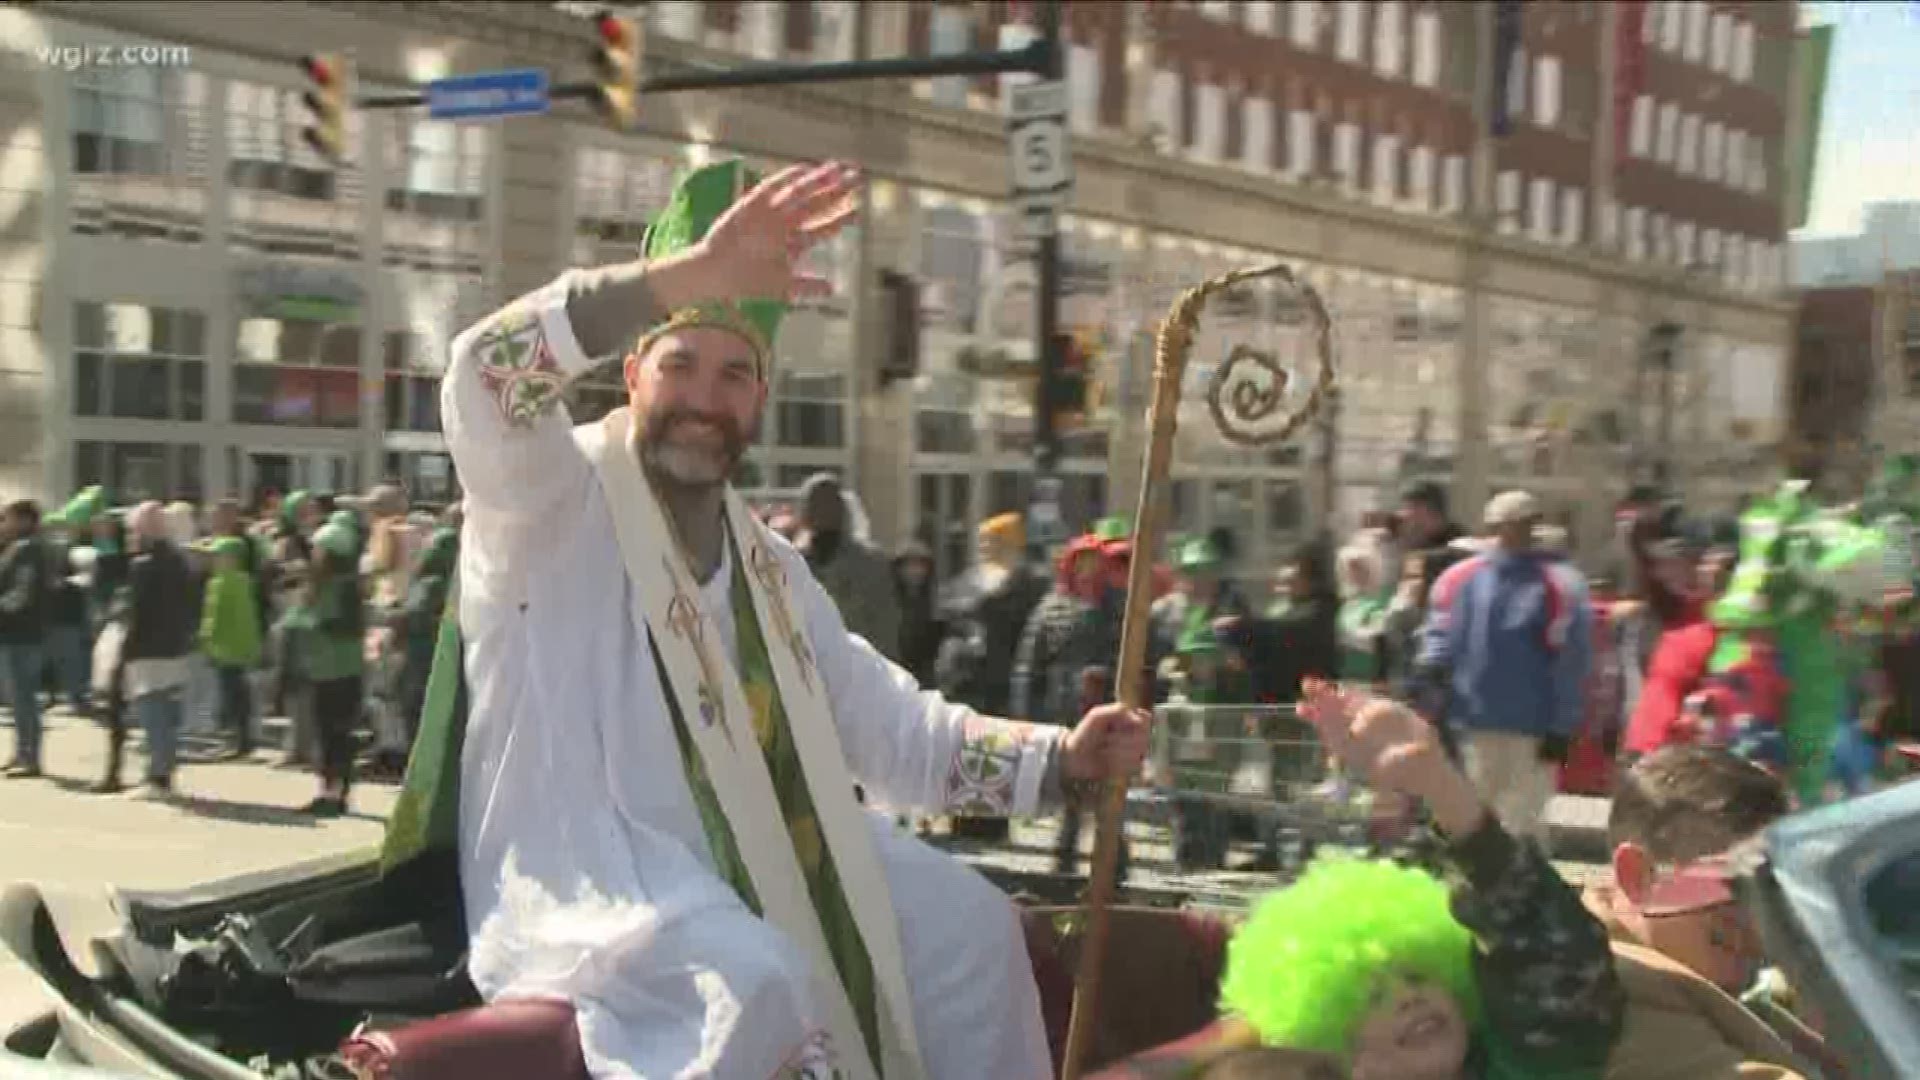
(227,818)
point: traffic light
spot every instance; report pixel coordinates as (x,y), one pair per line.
(900,331)
(1073,382)
(327,99)
(616,67)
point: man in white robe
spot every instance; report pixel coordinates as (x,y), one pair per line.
(588,868)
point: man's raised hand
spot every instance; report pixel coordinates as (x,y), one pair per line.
(1393,749)
(753,250)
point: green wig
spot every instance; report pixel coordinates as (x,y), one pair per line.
(1312,961)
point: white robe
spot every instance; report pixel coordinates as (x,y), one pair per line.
(585,869)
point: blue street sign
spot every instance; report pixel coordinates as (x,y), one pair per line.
(517,92)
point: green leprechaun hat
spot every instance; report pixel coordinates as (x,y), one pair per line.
(697,202)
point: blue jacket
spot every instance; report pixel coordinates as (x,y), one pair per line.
(1512,636)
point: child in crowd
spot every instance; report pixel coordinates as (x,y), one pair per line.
(230,637)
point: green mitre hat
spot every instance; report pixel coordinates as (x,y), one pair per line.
(699,200)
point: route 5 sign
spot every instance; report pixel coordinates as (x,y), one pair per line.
(1041,151)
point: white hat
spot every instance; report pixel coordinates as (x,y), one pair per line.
(1511,508)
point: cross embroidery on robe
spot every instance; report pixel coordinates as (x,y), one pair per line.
(683,618)
(517,366)
(773,578)
(986,766)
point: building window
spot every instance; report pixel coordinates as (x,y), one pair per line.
(1697,15)
(1217,10)
(1735,170)
(1164,109)
(1712,150)
(1540,207)
(1650,22)
(1668,132)
(1386,170)
(1390,38)
(1420,178)
(139,362)
(436,198)
(119,121)
(1710,248)
(1256,134)
(1640,133)
(1720,48)
(1304,22)
(1350,32)
(953,268)
(1517,85)
(1346,153)
(140,153)
(1506,195)
(286,199)
(1546,91)
(614,194)
(1742,66)
(1659,238)
(1689,162)
(1083,87)
(1610,225)
(1301,128)
(137,472)
(1635,221)
(1261,16)
(683,20)
(1673,25)
(296,373)
(1209,122)
(949,34)
(810,410)
(763,29)
(832,31)
(1426,48)
(1756,166)
(1685,253)
(413,384)
(1573,214)
(1453,184)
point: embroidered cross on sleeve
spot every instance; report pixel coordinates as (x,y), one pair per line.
(518,366)
(986,769)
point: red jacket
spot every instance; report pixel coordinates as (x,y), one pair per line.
(1678,666)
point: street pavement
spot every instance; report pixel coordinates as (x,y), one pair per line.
(226,819)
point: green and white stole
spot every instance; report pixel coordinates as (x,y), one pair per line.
(761,747)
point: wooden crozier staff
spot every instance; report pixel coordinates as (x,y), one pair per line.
(1244,396)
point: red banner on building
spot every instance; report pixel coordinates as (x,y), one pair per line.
(1629,71)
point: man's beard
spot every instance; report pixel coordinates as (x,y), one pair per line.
(691,467)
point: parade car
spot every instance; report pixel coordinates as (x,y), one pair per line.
(268,975)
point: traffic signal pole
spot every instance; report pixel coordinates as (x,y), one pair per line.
(1044,502)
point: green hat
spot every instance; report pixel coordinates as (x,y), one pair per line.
(337,540)
(81,509)
(699,200)
(1113,528)
(229,545)
(1198,554)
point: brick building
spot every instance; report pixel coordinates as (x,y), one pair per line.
(194,306)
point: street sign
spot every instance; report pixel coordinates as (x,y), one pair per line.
(515,92)
(1046,525)
(1040,148)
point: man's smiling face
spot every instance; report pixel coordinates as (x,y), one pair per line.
(697,397)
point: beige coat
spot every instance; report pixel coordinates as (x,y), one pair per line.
(1679,1026)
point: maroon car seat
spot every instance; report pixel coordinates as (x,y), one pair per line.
(1159,984)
